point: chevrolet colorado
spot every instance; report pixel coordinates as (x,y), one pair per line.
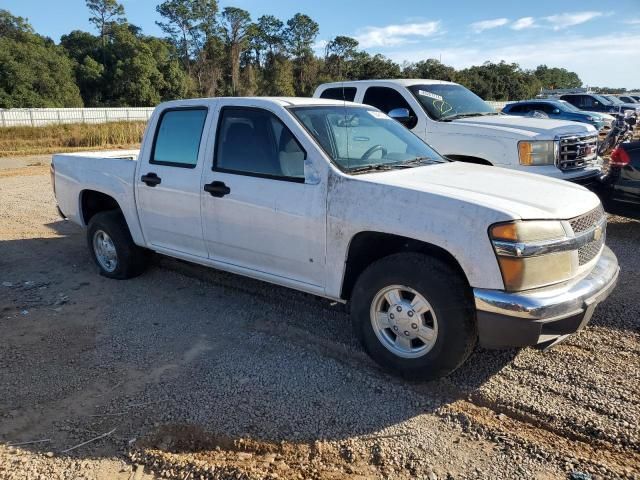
(338,200)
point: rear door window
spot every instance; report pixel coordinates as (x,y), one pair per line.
(178,136)
(339,93)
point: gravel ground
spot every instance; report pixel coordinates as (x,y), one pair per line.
(186,372)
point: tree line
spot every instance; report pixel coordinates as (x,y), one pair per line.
(211,52)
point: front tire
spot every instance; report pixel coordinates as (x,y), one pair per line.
(112,247)
(414,316)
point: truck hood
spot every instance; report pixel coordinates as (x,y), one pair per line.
(602,115)
(515,194)
(512,125)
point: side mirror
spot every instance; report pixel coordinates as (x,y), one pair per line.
(400,115)
(556,111)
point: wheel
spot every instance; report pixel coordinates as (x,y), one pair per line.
(414,316)
(112,247)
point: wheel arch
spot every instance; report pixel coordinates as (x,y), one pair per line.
(366,247)
(93,202)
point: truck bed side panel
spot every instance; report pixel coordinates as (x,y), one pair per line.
(111,173)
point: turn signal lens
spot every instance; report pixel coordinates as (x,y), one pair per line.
(528,231)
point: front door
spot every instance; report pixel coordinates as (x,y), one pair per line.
(259,211)
(169,183)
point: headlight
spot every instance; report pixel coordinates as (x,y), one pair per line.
(533,253)
(537,152)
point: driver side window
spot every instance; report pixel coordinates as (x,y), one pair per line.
(387,99)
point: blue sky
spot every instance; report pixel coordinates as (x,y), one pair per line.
(600,44)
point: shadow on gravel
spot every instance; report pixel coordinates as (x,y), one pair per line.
(186,345)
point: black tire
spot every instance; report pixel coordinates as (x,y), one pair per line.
(131,259)
(450,299)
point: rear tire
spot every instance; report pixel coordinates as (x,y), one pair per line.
(112,247)
(414,316)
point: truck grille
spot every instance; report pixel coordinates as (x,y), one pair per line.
(577,151)
(588,252)
(584,223)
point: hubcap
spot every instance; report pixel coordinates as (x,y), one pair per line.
(105,251)
(404,321)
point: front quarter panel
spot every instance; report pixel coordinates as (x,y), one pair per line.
(458,227)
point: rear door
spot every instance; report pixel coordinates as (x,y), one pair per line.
(168,184)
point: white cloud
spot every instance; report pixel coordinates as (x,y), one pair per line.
(563,20)
(576,53)
(320,45)
(488,24)
(522,23)
(633,21)
(393,35)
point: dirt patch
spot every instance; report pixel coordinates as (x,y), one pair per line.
(182,450)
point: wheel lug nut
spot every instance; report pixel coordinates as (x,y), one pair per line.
(406,333)
(392,316)
(395,328)
(410,313)
(399,309)
(414,325)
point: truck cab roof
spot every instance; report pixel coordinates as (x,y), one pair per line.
(261,101)
(405,82)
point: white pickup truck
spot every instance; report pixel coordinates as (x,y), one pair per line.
(340,201)
(461,126)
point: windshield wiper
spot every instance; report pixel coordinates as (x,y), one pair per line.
(368,168)
(448,118)
(414,162)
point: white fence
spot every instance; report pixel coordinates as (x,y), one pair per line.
(34,117)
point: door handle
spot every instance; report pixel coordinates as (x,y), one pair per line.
(151,179)
(217,189)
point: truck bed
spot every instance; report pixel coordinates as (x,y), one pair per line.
(109,172)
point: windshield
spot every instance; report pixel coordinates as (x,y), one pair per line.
(569,107)
(449,101)
(603,100)
(360,138)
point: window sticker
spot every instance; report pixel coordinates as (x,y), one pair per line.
(379,115)
(424,93)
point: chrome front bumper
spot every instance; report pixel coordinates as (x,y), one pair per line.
(545,315)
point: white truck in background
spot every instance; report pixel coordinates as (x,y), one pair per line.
(338,200)
(461,126)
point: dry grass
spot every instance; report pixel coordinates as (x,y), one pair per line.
(69,138)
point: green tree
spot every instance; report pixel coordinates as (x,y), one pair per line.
(278,78)
(499,81)
(300,34)
(103,14)
(557,77)
(235,23)
(189,24)
(366,66)
(338,53)
(431,69)
(34,72)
